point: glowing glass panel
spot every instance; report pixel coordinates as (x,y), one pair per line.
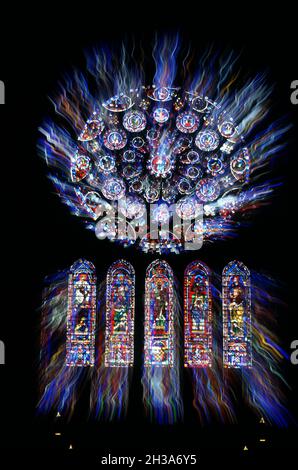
(237,347)
(159,306)
(81,314)
(197,316)
(120,305)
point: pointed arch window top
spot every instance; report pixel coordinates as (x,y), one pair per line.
(236,268)
(196,267)
(82,265)
(159,267)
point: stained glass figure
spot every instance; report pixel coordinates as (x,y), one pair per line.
(81,314)
(236,296)
(197,316)
(159,306)
(120,305)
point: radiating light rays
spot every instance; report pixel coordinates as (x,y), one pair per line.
(165,57)
(216,389)
(162,394)
(161,371)
(99,111)
(71,297)
(59,384)
(115,344)
(255,379)
(213,400)
(110,385)
(111,378)
(265,384)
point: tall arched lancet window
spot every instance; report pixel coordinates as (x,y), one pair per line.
(197,316)
(81,314)
(159,308)
(120,306)
(236,298)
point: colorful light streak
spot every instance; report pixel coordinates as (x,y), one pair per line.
(59,383)
(110,383)
(127,138)
(216,388)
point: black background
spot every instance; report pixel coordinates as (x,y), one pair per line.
(42,237)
